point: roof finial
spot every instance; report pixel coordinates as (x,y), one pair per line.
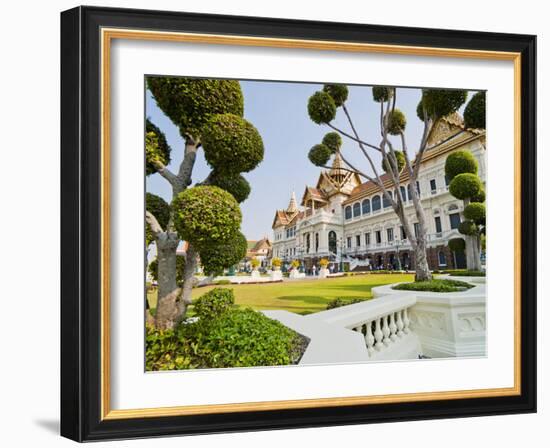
(292,206)
(337,172)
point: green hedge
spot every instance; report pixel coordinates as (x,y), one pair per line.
(343,301)
(437,285)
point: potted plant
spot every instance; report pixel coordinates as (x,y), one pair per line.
(323,273)
(255,263)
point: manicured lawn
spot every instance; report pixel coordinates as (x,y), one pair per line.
(306,296)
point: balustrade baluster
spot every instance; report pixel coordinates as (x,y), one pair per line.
(378,335)
(393,327)
(386,330)
(406,321)
(369,338)
(400,324)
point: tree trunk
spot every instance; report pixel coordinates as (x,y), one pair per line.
(167,243)
(422,268)
(189,281)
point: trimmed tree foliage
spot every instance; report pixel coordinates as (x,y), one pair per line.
(396,122)
(235,184)
(460,162)
(461,166)
(321,108)
(338,92)
(400,158)
(222,134)
(158,207)
(156,148)
(217,257)
(381,94)
(319,155)
(333,141)
(208,113)
(475,211)
(465,185)
(191,102)
(457,245)
(441,102)
(206,214)
(467,228)
(474,113)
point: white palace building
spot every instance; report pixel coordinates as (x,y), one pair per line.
(347,220)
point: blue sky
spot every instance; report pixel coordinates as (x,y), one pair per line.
(279,112)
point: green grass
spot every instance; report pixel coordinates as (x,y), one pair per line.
(435,285)
(305,296)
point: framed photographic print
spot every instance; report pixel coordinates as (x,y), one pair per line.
(277,224)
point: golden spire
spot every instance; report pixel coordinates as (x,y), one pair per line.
(337,172)
(292,206)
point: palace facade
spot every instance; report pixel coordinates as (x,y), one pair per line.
(349,222)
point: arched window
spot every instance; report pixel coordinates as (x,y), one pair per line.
(308,243)
(366,206)
(332,245)
(356,210)
(376,203)
(386,202)
(348,212)
(442,259)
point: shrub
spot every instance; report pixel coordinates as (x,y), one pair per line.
(381,94)
(206,214)
(276,262)
(295,264)
(321,108)
(343,301)
(323,262)
(319,155)
(457,244)
(332,141)
(396,122)
(233,183)
(214,303)
(338,92)
(475,212)
(222,282)
(255,263)
(400,158)
(460,162)
(231,144)
(164,351)
(474,113)
(191,102)
(465,186)
(436,285)
(467,273)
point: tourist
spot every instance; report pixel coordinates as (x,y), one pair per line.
(314,269)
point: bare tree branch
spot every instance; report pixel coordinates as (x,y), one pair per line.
(345,134)
(153,223)
(165,172)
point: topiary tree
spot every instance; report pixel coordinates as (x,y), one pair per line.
(461,168)
(276,262)
(255,263)
(434,104)
(209,115)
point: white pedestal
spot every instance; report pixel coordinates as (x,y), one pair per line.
(255,274)
(276,275)
(323,273)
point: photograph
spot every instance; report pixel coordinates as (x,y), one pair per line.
(291,223)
